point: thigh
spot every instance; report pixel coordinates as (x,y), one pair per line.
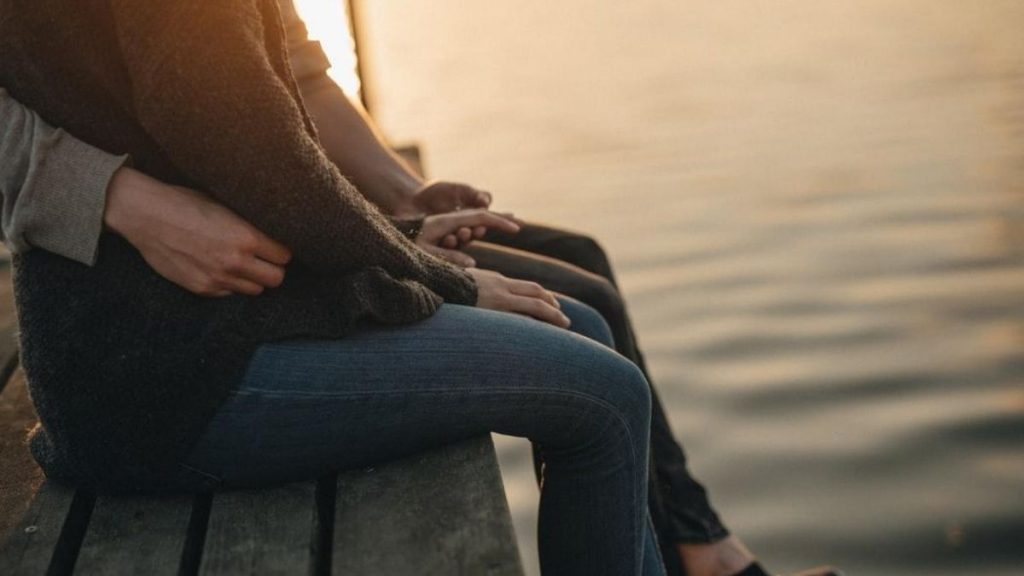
(591,289)
(573,248)
(307,407)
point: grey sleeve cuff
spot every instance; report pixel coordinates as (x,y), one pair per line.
(64,197)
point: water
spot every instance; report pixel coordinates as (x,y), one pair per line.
(816,211)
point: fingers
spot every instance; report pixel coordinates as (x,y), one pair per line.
(261,272)
(463,237)
(480,218)
(243,286)
(496,292)
(511,218)
(483,199)
(460,237)
(532,299)
(453,256)
(469,197)
(461,226)
(533,290)
(539,309)
(271,250)
(239,274)
(441,197)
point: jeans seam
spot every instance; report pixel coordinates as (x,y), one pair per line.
(205,474)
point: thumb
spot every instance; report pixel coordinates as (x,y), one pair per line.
(483,199)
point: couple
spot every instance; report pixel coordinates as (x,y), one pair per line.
(314,333)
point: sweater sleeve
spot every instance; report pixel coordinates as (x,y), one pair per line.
(54,186)
(211,89)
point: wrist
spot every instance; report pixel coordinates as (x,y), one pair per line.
(125,198)
(400,196)
(409,227)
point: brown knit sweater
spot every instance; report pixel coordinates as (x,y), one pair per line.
(124,368)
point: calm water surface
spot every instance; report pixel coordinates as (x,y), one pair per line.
(817,212)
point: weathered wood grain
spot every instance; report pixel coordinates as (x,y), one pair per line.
(21,476)
(261,532)
(46,538)
(8,350)
(442,512)
(135,535)
(8,319)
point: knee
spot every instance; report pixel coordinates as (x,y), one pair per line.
(603,296)
(586,321)
(583,251)
(619,402)
(637,392)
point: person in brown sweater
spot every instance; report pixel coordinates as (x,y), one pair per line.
(137,381)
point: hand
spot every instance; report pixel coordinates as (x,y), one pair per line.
(443,234)
(442,197)
(190,240)
(496,292)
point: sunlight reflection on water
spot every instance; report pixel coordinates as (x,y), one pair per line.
(825,246)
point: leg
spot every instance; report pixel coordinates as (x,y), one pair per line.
(679,504)
(577,249)
(306,408)
(689,531)
(680,507)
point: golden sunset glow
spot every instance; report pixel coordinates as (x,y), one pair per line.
(328,22)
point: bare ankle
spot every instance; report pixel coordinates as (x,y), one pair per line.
(723,558)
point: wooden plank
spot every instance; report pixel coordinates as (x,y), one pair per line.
(262,532)
(21,476)
(412,156)
(8,353)
(47,537)
(443,512)
(8,318)
(135,535)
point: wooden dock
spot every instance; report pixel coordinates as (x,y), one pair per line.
(442,512)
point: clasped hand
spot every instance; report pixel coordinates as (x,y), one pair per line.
(211,251)
(443,235)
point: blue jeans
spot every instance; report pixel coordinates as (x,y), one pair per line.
(576,265)
(305,408)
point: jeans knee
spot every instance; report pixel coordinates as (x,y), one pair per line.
(586,321)
(620,402)
(639,390)
(603,296)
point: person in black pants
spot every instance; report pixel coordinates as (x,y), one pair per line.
(576,265)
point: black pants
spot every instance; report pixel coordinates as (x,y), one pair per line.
(575,265)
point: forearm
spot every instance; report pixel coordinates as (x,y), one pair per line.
(354,145)
(246,141)
(347,134)
(54,186)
